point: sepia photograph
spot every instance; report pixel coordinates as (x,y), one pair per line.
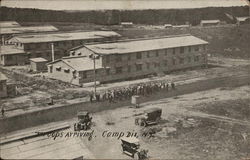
(125,79)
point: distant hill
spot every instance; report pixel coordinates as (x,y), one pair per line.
(162,16)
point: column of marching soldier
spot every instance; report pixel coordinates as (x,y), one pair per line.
(143,89)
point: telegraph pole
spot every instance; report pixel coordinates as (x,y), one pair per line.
(94,74)
(52,52)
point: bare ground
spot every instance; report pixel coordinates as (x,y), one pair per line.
(208,136)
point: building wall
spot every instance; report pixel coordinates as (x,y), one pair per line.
(14,59)
(131,65)
(69,77)
(165,60)
(3,88)
(61,48)
(209,24)
(80,52)
(38,66)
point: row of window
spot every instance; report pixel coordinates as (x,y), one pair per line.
(118,58)
(138,67)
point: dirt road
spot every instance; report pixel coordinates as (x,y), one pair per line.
(182,106)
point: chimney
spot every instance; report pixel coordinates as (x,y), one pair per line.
(52,52)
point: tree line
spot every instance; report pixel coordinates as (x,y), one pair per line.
(111,17)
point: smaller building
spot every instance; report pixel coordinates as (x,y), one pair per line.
(75,70)
(182,26)
(242,20)
(168,26)
(3,86)
(7,24)
(38,64)
(127,24)
(10,55)
(210,22)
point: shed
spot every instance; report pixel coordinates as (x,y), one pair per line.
(3,85)
(242,20)
(127,24)
(38,64)
(168,25)
(210,22)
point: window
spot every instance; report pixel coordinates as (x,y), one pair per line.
(165,62)
(138,55)
(156,64)
(204,47)
(148,54)
(118,58)
(84,75)
(138,67)
(66,70)
(129,68)
(196,58)
(1,86)
(173,50)
(166,52)
(58,68)
(39,54)
(118,70)
(157,53)
(189,48)
(108,71)
(181,60)
(196,48)
(107,59)
(182,50)
(50,69)
(148,65)
(74,74)
(129,57)
(9,57)
(174,62)
(189,59)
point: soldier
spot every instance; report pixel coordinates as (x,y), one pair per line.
(91,96)
(97,96)
(3,110)
(172,85)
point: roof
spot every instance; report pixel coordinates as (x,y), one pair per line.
(181,26)
(145,44)
(10,49)
(2,77)
(130,139)
(152,110)
(80,113)
(80,63)
(210,21)
(4,24)
(39,59)
(64,36)
(242,18)
(126,23)
(29,29)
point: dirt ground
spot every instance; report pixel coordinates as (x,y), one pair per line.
(202,135)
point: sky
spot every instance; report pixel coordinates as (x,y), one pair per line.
(119,4)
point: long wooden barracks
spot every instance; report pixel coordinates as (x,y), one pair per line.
(50,46)
(128,59)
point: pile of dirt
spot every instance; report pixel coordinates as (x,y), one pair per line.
(170,128)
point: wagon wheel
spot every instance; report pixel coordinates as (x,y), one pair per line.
(143,124)
(75,129)
(136,156)
(158,119)
(136,121)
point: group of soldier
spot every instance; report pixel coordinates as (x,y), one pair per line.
(124,93)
